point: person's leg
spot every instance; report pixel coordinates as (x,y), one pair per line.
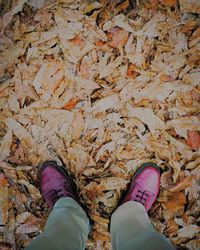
(131,229)
(68,225)
(67,228)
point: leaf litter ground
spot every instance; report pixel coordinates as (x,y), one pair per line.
(100,87)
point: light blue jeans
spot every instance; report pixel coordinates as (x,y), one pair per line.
(68,226)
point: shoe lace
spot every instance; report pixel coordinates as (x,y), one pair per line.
(55,194)
(142,196)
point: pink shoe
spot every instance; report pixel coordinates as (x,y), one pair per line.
(145,186)
(54,183)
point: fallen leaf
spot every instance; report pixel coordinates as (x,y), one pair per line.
(192,6)
(26,229)
(4,200)
(6,19)
(185,183)
(13,103)
(113,183)
(77,41)
(93,191)
(33,191)
(99,219)
(122,6)
(132,71)
(101,237)
(172,228)
(147,116)
(6,145)
(71,103)
(193,140)
(106,103)
(169,3)
(77,126)
(20,132)
(188,231)
(117,37)
(175,204)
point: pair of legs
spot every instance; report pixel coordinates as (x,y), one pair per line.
(68,225)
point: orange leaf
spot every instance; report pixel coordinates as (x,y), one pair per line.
(193,140)
(132,71)
(187,182)
(117,37)
(169,3)
(100,236)
(71,103)
(154,4)
(189,25)
(76,40)
(172,228)
(164,78)
(99,43)
(3,181)
(175,203)
(123,6)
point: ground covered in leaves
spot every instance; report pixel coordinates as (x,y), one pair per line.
(100,87)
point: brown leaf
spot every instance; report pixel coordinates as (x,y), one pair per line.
(117,37)
(132,71)
(172,228)
(99,219)
(100,236)
(169,3)
(4,202)
(166,180)
(93,191)
(175,204)
(122,6)
(77,41)
(71,103)
(20,132)
(6,145)
(193,140)
(187,182)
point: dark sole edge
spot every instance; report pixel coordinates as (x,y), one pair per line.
(143,166)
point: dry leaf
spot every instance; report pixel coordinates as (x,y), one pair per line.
(4,200)
(147,116)
(117,37)
(77,126)
(169,3)
(187,182)
(33,191)
(20,132)
(6,145)
(193,140)
(102,87)
(190,6)
(175,204)
(188,231)
(106,103)
(71,103)
(9,15)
